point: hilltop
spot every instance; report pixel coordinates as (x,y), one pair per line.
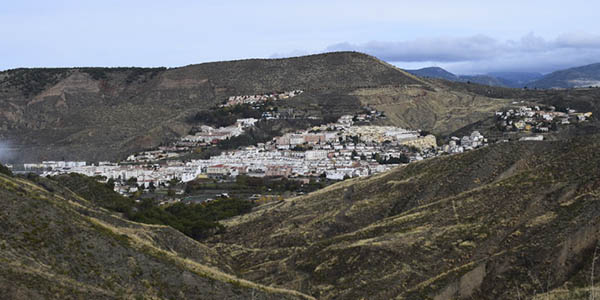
(434,72)
(107,113)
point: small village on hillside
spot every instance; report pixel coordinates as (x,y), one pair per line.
(330,152)
(257,99)
(348,148)
(537,119)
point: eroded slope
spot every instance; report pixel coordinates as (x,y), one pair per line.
(56,245)
(506,221)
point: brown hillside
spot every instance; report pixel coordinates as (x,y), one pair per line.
(56,245)
(507,221)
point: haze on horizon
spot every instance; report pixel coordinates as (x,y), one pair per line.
(464,37)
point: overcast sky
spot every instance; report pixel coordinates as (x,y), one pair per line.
(464,37)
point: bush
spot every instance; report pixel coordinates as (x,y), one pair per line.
(102,194)
(6,171)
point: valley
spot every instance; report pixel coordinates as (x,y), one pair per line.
(330,176)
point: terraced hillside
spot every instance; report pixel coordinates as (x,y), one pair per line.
(106,113)
(56,245)
(508,221)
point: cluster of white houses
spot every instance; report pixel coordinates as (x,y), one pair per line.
(253,99)
(537,119)
(467,142)
(334,151)
(208,134)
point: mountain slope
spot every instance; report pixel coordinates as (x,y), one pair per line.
(56,245)
(434,72)
(584,76)
(106,113)
(507,221)
(517,79)
(501,79)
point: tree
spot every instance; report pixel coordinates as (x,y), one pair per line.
(132,181)
(6,171)
(111,184)
(377,157)
(174,181)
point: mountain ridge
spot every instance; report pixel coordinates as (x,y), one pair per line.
(501,79)
(576,77)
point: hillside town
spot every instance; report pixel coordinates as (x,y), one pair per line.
(334,151)
(254,99)
(537,119)
(207,134)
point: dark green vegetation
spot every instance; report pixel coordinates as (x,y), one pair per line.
(4,170)
(107,113)
(102,194)
(508,221)
(225,116)
(56,245)
(256,185)
(197,221)
(266,130)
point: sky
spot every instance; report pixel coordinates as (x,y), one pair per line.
(464,37)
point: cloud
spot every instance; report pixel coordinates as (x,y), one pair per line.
(481,53)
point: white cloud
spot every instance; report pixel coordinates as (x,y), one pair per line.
(480,53)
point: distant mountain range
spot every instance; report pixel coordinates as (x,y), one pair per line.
(584,76)
(503,79)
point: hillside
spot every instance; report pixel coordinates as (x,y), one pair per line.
(499,79)
(106,113)
(517,79)
(584,76)
(508,221)
(434,72)
(581,99)
(513,220)
(56,245)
